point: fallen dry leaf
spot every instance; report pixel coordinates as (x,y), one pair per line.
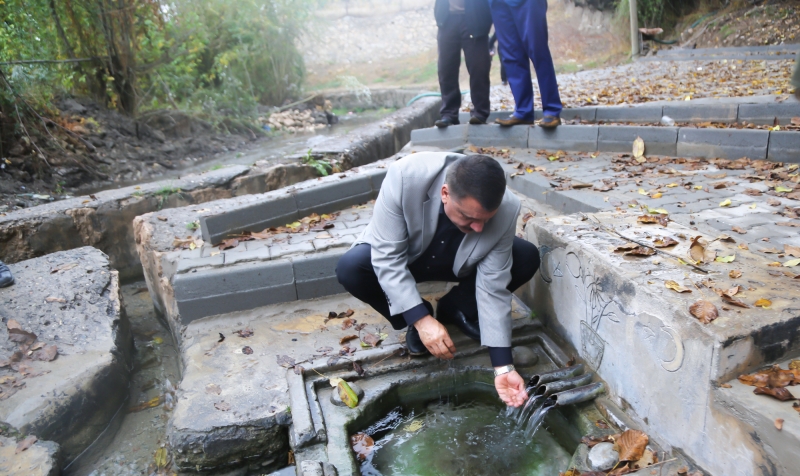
(25,444)
(626,247)
(765,303)
(285,361)
(735,274)
(781,394)
(63,267)
(46,354)
(247,350)
(371,340)
(792,250)
(362,445)
(222,406)
(641,251)
(632,444)
(245,333)
(638,147)
(676,287)
(347,324)
(699,252)
(704,311)
(779,424)
(213,388)
(347,339)
(738,230)
(664,242)
(55,299)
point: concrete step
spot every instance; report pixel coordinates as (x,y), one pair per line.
(662,364)
(728,143)
(188,284)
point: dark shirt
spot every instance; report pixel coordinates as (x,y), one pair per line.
(436,264)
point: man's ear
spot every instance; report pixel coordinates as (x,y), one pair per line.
(445,193)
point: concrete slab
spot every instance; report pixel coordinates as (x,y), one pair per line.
(493,135)
(644,113)
(41,459)
(573,138)
(784,146)
(69,300)
(722,143)
(726,113)
(768,114)
(629,327)
(657,140)
(445,138)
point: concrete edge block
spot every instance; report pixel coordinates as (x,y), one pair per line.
(629,114)
(492,135)
(445,138)
(657,140)
(726,113)
(723,143)
(270,211)
(314,288)
(193,309)
(784,146)
(338,190)
(316,265)
(231,279)
(328,207)
(575,138)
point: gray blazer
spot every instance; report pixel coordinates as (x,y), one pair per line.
(403,224)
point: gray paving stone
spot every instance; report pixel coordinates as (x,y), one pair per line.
(765,114)
(207,249)
(258,244)
(272,211)
(186,265)
(587,114)
(286,249)
(784,146)
(333,195)
(572,138)
(358,223)
(530,185)
(445,138)
(327,243)
(257,254)
(657,140)
(726,113)
(232,279)
(493,135)
(192,254)
(723,143)
(295,238)
(355,231)
(629,114)
(575,201)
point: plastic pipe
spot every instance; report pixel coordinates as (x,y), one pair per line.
(558,374)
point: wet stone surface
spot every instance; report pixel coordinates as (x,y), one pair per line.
(65,305)
(39,459)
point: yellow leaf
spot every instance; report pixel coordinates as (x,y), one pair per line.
(792,263)
(158,340)
(776,128)
(552,158)
(192,246)
(765,303)
(642,192)
(781,189)
(657,211)
(529,170)
(676,287)
(753,206)
(657,195)
(725,202)
(347,394)
(725,259)
(698,187)
(161,458)
(334,382)
(672,185)
(594,155)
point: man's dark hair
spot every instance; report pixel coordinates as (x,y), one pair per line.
(479,177)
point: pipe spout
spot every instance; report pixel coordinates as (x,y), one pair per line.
(551,388)
(558,374)
(577,395)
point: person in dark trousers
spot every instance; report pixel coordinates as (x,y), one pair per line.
(445,217)
(463,25)
(492,50)
(6,279)
(521,27)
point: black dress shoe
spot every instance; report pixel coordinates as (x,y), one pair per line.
(6,279)
(414,343)
(448,313)
(446,122)
(476,121)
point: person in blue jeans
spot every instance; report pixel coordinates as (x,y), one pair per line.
(521,27)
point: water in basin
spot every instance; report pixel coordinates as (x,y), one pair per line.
(454,437)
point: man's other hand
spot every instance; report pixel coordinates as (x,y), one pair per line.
(511,388)
(435,337)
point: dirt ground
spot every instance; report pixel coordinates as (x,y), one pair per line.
(104,148)
(772,22)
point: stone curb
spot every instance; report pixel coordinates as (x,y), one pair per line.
(686,141)
(106,222)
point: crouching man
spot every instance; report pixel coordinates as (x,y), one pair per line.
(445,217)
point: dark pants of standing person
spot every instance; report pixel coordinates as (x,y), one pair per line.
(356,274)
(452,38)
(522,37)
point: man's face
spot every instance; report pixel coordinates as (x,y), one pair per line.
(466,214)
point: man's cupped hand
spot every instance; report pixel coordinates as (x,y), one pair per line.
(435,337)
(511,388)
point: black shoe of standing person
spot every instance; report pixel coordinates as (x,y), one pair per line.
(448,313)
(6,279)
(446,122)
(476,121)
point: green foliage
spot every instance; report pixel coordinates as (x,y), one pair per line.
(215,56)
(164,193)
(323,168)
(193,225)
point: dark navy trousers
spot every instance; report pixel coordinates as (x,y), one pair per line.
(522,37)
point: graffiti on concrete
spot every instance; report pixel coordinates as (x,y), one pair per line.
(662,342)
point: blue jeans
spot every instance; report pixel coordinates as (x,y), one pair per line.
(522,37)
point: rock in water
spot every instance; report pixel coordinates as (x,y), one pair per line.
(603,457)
(524,356)
(337,400)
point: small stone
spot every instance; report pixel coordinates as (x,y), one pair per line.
(603,457)
(337,400)
(524,356)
